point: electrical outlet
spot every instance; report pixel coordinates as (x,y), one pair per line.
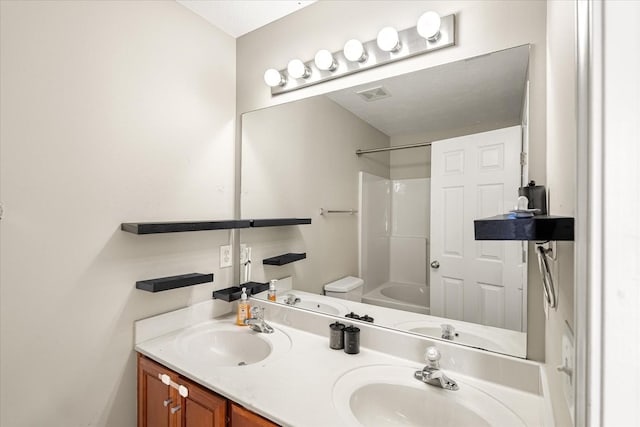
(226,257)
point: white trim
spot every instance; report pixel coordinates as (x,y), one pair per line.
(589,214)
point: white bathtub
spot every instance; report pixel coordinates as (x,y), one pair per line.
(401,296)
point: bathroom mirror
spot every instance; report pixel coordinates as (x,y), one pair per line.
(398,221)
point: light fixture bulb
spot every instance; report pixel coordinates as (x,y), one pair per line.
(429,26)
(324,60)
(297,69)
(354,51)
(273,78)
(388,40)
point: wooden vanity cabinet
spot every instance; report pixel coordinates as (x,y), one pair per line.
(241,417)
(160,405)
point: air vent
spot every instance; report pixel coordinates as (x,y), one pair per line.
(374,93)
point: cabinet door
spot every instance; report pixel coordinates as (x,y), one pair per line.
(201,408)
(241,417)
(154,397)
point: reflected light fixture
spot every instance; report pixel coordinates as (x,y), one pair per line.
(354,51)
(429,26)
(298,70)
(274,78)
(388,40)
(325,61)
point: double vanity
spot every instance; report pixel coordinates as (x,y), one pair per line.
(291,377)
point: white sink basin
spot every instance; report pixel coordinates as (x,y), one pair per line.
(385,395)
(317,303)
(228,345)
(478,336)
(462,337)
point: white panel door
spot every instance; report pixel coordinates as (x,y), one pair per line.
(475,176)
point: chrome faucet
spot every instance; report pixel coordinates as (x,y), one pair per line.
(432,374)
(256,321)
(291,299)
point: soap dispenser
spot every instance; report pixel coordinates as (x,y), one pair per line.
(272,290)
(243,309)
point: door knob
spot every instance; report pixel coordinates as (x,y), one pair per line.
(435,264)
(167,402)
(175,409)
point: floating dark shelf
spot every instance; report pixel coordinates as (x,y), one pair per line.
(177,227)
(277,222)
(538,228)
(173,282)
(181,226)
(233,293)
(284,259)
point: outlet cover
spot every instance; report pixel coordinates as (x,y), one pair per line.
(226,257)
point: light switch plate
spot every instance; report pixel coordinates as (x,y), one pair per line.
(568,362)
(245,253)
(226,257)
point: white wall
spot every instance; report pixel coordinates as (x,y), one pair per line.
(483,26)
(621,284)
(561,184)
(293,170)
(110,112)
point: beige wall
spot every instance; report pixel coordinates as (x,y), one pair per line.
(561,183)
(110,112)
(298,158)
(483,26)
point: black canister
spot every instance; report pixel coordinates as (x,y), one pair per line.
(351,340)
(537,196)
(336,336)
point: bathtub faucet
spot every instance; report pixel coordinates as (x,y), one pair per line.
(432,374)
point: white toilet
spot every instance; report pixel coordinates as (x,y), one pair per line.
(349,288)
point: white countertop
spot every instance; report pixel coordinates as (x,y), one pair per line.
(294,388)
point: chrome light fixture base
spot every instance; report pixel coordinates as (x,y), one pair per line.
(411,44)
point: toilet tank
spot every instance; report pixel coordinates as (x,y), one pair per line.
(349,288)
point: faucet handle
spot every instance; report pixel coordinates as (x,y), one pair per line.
(432,355)
(257,312)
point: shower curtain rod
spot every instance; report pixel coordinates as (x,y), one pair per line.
(397,147)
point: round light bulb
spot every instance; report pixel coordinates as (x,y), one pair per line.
(273,78)
(297,69)
(354,51)
(388,40)
(324,60)
(429,26)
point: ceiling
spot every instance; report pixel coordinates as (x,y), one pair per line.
(486,90)
(238,17)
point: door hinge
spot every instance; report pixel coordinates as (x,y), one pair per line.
(523,159)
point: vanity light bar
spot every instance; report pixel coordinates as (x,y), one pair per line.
(410,44)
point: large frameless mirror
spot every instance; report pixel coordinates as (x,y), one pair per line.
(393,173)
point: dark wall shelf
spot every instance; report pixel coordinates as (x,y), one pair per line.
(538,228)
(284,259)
(173,282)
(277,222)
(233,293)
(178,227)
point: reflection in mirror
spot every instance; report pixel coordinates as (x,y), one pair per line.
(392,231)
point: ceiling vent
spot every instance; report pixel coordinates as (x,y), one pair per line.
(374,93)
